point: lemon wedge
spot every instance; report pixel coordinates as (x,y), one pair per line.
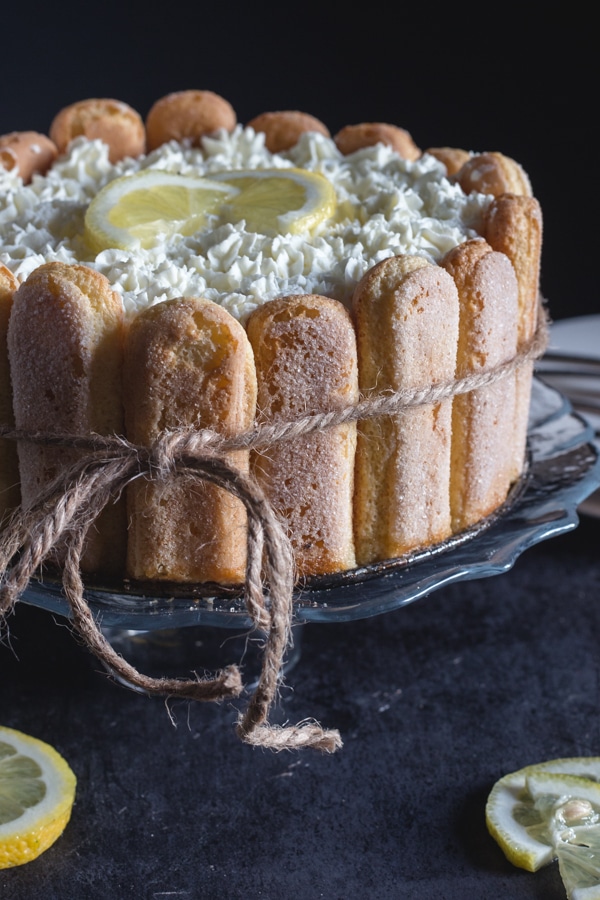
(551,811)
(37,790)
(279,201)
(137,211)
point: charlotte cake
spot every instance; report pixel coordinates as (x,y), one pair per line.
(425,268)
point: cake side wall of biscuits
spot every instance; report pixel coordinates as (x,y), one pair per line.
(81,362)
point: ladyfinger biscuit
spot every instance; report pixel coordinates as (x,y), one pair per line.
(65,352)
(493,173)
(282,129)
(29,152)
(453,158)
(188,114)
(406,313)
(187,362)
(513,226)
(483,419)
(305,353)
(367,134)
(10,494)
(111,121)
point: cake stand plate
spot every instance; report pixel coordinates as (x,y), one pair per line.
(563,470)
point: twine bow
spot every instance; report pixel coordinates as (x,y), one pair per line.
(65,510)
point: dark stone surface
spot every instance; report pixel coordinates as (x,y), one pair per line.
(435,702)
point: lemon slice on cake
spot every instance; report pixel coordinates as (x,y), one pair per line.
(279,201)
(138,211)
(37,790)
(552,811)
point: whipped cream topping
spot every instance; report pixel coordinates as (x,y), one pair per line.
(386,206)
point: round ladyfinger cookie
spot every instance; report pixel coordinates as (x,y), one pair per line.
(188,114)
(406,313)
(111,121)
(513,226)
(188,362)
(367,134)
(283,129)
(493,173)
(29,152)
(65,354)
(305,353)
(483,420)
(453,158)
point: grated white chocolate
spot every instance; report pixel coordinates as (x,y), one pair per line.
(386,206)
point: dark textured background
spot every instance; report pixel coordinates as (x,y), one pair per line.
(457,78)
(435,701)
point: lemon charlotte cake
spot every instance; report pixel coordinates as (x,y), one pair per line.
(188,270)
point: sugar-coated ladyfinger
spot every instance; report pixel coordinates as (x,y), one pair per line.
(111,121)
(513,226)
(65,351)
(187,362)
(483,419)
(493,173)
(305,353)
(282,129)
(406,313)
(10,494)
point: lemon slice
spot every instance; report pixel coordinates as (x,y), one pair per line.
(37,790)
(135,210)
(552,811)
(579,863)
(279,201)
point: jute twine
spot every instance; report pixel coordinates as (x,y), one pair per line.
(65,510)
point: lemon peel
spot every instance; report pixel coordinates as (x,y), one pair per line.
(37,791)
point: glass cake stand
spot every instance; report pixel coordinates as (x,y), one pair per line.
(563,470)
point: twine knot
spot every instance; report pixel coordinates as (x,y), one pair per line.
(65,510)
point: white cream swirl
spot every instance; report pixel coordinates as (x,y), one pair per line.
(388,206)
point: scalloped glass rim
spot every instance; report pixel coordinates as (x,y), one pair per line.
(564,469)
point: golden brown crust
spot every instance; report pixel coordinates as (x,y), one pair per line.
(367,134)
(493,173)
(453,158)
(65,352)
(282,129)
(29,152)
(406,313)
(482,420)
(305,353)
(111,121)
(188,114)
(187,362)
(10,494)
(514,226)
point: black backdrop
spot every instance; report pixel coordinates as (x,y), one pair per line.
(461,77)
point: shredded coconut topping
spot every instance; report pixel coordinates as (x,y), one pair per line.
(386,206)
